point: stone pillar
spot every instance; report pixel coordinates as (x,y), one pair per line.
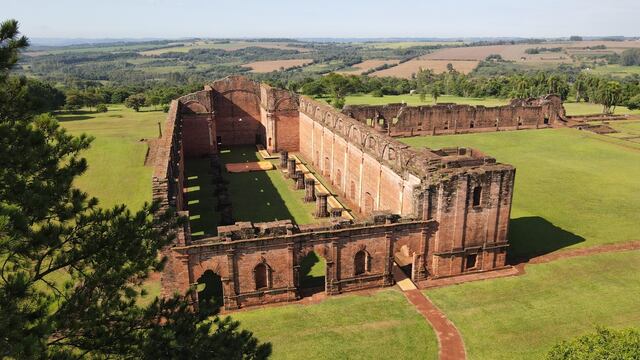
(291,168)
(321,205)
(284,157)
(310,190)
(299,180)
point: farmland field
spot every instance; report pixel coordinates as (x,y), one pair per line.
(345,327)
(407,69)
(275,65)
(572,189)
(367,65)
(523,317)
(230,46)
(407,44)
(615,70)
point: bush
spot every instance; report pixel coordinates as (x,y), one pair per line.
(165,108)
(377,93)
(603,344)
(634,103)
(101,108)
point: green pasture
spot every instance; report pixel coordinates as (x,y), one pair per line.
(116,173)
(381,326)
(615,70)
(572,188)
(523,317)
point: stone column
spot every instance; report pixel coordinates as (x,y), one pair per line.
(299,180)
(291,168)
(321,205)
(310,190)
(284,157)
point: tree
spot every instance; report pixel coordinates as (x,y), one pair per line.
(603,344)
(135,101)
(71,272)
(609,94)
(630,57)
(436,91)
(10,45)
(102,108)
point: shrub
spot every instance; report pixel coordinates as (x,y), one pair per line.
(377,93)
(634,103)
(603,344)
(101,108)
(165,108)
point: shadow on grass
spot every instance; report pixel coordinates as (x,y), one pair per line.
(201,201)
(313,269)
(74,118)
(534,236)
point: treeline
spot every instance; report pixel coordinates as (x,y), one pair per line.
(538,50)
(584,87)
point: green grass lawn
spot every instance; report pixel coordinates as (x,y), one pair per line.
(382,326)
(116,173)
(572,108)
(572,189)
(615,70)
(523,317)
(256,196)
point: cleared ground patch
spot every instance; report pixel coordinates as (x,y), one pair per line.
(407,69)
(523,317)
(573,188)
(275,65)
(383,326)
(366,66)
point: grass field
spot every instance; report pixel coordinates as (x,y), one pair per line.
(383,326)
(583,108)
(256,196)
(408,44)
(523,317)
(572,188)
(615,70)
(116,173)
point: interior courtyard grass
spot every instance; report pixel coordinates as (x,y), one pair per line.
(382,325)
(256,196)
(572,188)
(523,317)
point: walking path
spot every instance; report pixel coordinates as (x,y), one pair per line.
(451,346)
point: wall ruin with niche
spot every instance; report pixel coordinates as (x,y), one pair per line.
(441,119)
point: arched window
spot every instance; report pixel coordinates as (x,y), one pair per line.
(261,273)
(360,263)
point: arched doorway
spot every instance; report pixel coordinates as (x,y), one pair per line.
(312,276)
(210,292)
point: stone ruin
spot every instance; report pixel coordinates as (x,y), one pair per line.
(439,213)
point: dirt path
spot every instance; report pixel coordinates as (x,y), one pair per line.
(450,344)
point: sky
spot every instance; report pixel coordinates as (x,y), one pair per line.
(324,18)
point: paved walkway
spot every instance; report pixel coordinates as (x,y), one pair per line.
(451,346)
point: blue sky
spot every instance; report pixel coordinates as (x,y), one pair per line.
(323,18)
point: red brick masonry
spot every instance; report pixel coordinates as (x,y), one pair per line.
(444,212)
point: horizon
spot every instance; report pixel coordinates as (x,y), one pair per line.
(164,19)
